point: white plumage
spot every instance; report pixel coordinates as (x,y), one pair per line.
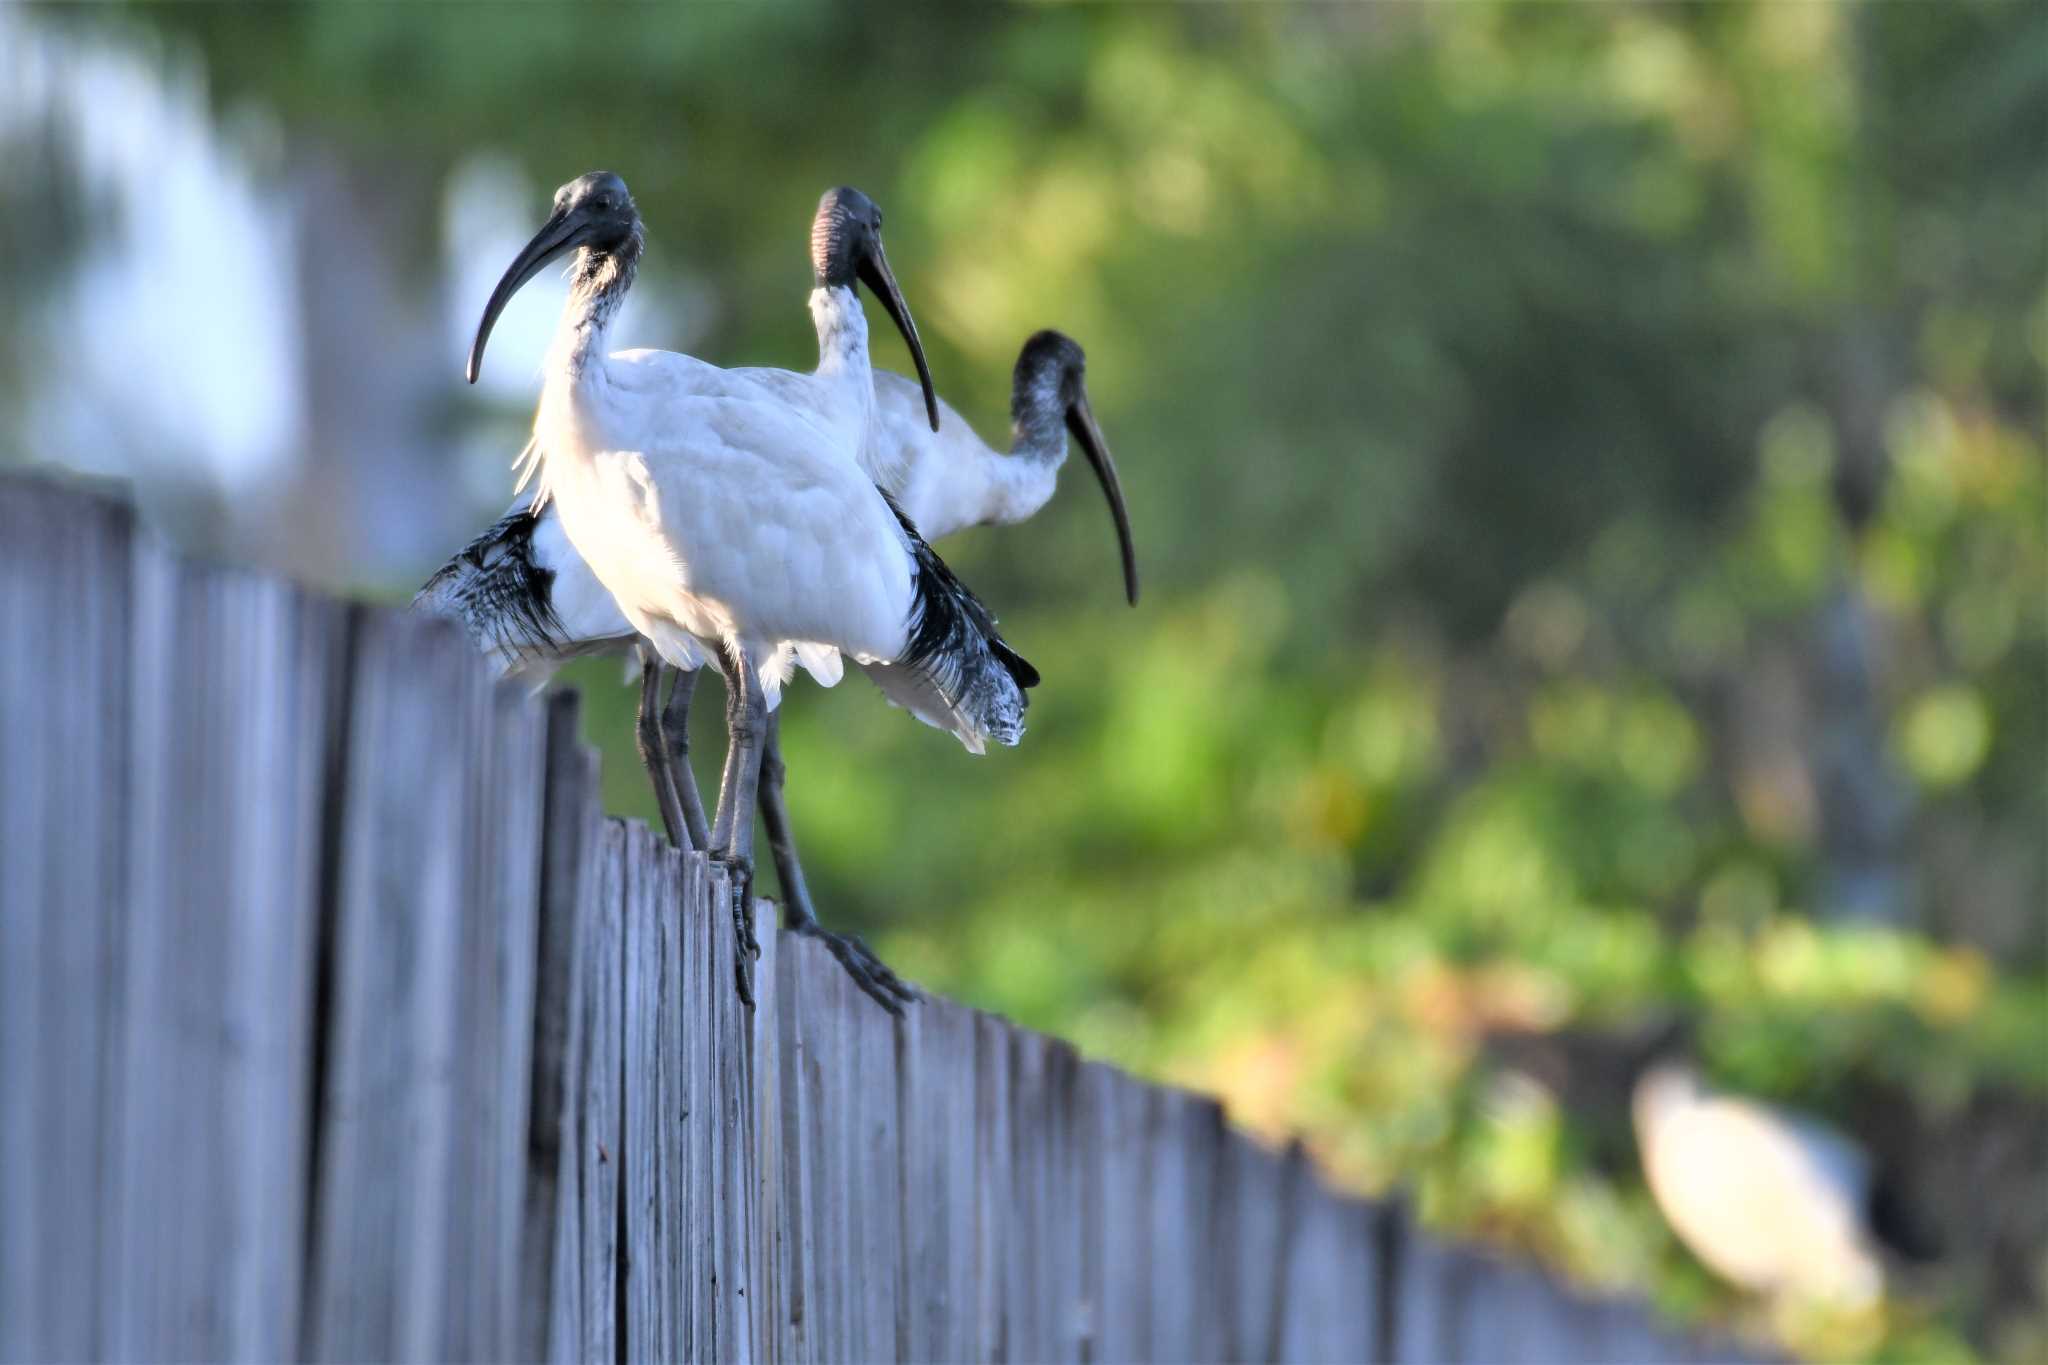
(1773,1201)
(728,521)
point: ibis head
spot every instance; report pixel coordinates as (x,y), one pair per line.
(846,249)
(595,211)
(1050,377)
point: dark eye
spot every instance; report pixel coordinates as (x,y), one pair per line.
(604,202)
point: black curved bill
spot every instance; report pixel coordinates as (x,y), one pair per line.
(1081,422)
(557,235)
(874,272)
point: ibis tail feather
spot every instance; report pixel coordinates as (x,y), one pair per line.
(524,597)
(956,672)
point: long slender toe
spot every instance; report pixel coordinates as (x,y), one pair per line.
(869,972)
(743,927)
(741,872)
(743,978)
(874,974)
(746,946)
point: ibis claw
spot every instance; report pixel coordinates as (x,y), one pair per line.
(746,947)
(743,929)
(743,918)
(743,979)
(869,972)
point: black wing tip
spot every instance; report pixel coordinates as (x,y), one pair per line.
(948,620)
(506,602)
(1020,668)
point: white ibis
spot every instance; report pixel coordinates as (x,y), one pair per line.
(1770,1200)
(950,479)
(947,479)
(735,526)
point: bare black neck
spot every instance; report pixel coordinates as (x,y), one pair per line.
(598,285)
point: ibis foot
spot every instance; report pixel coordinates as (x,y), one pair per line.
(869,972)
(746,947)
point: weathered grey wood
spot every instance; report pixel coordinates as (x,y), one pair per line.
(1072,1305)
(693,1071)
(64,566)
(940,1254)
(1329,1302)
(731,1203)
(698,1251)
(1430,1301)
(549,1322)
(1521,1317)
(1116,1221)
(995,1190)
(1618,1332)
(1027,1291)
(1516,1314)
(1048,1309)
(729,1209)
(1463,1304)
(388,1110)
(1628,1334)
(506,740)
(796,1085)
(651,1160)
(1252,1214)
(824,1054)
(876,1306)
(600,1119)
(683,1096)
(335,1022)
(1027,1285)
(232,678)
(768,1224)
(1183,1153)
(26,1051)
(147,1217)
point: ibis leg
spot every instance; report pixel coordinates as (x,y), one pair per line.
(675,733)
(869,972)
(796,894)
(732,830)
(647,733)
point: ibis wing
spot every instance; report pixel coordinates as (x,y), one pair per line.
(525,597)
(762,524)
(955,652)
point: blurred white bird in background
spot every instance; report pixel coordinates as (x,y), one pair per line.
(1771,1200)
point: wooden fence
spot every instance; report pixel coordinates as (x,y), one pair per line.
(337,1023)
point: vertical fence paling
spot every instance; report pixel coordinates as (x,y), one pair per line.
(387,1217)
(227,671)
(548,1321)
(650,989)
(600,1120)
(935,1078)
(336,1022)
(64,566)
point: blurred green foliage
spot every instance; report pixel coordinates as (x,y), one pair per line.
(1587,462)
